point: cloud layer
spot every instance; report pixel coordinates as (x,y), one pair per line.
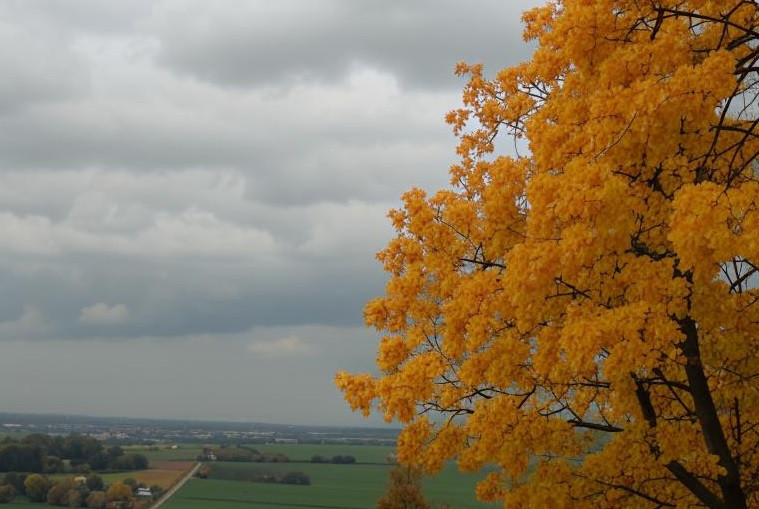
(178,173)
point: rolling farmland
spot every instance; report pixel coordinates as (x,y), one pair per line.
(332,486)
(355,486)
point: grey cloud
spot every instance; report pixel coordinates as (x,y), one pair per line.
(289,346)
(189,271)
(191,233)
(30,324)
(201,376)
(180,180)
(314,143)
(260,43)
(73,18)
(101,313)
(36,69)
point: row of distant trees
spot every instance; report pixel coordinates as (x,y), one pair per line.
(338,459)
(262,476)
(89,492)
(240,453)
(46,454)
(294,477)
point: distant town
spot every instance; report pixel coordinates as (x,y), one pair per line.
(127,431)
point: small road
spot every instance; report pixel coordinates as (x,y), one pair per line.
(166,496)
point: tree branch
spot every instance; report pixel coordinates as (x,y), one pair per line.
(577,423)
(706,412)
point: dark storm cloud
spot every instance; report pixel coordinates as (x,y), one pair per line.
(276,42)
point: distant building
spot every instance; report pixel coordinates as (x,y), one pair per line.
(144,492)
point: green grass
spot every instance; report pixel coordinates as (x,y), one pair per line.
(21,501)
(455,488)
(295,452)
(184,452)
(321,474)
(208,494)
(304,452)
(332,487)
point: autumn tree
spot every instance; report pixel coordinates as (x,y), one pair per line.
(36,487)
(7,492)
(67,492)
(584,313)
(94,482)
(96,500)
(119,492)
(404,490)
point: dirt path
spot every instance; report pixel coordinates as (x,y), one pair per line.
(166,496)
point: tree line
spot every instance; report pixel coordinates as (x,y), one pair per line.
(337,459)
(90,491)
(240,453)
(46,454)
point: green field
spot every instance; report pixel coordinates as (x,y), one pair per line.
(356,486)
(295,452)
(304,452)
(22,502)
(183,452)
(332,487)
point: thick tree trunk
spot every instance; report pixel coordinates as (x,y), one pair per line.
(706,412)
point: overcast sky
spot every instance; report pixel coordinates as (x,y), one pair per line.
(192,193)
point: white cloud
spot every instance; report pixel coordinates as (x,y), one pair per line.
(103,314)
(283,347)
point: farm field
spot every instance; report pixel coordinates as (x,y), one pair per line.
(304,452)
(21,502)
(295,452)
(184,452)
(332,486)
(165,474)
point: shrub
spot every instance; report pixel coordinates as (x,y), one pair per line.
(7,492)
(95,482)
(36,487)
(295,478)
(157,491)
(344,460)
(131,483)
(16,479)
(96,500)
(73,498)
(82,468)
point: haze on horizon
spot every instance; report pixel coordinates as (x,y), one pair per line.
(192,193)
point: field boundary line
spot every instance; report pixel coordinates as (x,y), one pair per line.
(270,503)
(166,496)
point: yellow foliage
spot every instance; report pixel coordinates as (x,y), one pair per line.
(585,316)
